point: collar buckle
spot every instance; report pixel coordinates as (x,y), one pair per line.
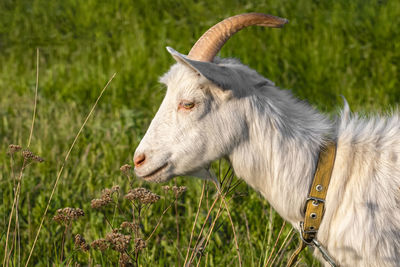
(310,232)
(315,199)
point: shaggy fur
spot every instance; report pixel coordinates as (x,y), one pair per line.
(272,141)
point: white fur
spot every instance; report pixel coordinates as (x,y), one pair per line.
(272,141)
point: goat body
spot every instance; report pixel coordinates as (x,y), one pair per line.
(224,109)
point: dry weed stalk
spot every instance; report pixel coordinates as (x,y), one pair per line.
(129,245)
(233,226)
(125,260)
(226,187)
(283,246)
(65,217)
(201,231)
(127,171)
(28,157)
(12,150)
(276,242)
(63,165)
(195,222)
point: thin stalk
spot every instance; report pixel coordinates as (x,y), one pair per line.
(159,221)
(211,229)
(233,227)
(276,242)
(16,196)
(177,227)
(12,211)
(283,245)
(36,94)
(194,223)
(202,229)
(63,240)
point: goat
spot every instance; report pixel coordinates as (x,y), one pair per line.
(216,108)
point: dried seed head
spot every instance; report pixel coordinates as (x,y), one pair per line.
(139,244)
(143,195)
(38,159)
(100,244)
(106,193)
(67,215)
(125,260)
(130,226)
(80,243)
(98,203)
(28,155)
(178,190)
(166,188)
(118,242)
(115,188)
(125,169)
(13,148)
(106,197)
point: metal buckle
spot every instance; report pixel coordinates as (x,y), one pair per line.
(315,199)
(302,232)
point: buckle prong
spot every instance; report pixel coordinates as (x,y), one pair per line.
(315,199)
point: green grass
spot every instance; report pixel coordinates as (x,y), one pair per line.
(329,48)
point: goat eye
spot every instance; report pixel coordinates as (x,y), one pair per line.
(186,105)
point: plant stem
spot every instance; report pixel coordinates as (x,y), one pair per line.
(233,227)
(195,221)
(12,210)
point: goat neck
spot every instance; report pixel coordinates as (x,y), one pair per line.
(280,153)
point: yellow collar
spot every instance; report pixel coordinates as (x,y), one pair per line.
(316,197)
(314,210)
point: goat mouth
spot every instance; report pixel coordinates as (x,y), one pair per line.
(153,173)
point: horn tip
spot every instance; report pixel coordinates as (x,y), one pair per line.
(170,49)
(282,22)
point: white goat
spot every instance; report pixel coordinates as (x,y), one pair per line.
(216,108)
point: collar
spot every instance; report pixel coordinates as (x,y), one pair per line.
(315,203)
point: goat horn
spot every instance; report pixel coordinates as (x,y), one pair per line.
(209,44)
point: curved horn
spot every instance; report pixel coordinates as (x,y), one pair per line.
(212,40)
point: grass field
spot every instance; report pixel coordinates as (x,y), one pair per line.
(329,49)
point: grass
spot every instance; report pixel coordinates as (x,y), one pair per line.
(329,48)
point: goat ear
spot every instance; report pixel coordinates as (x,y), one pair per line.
(222,76)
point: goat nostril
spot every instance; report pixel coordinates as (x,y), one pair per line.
(139,160)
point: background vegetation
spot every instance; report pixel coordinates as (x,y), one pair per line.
(329,48)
